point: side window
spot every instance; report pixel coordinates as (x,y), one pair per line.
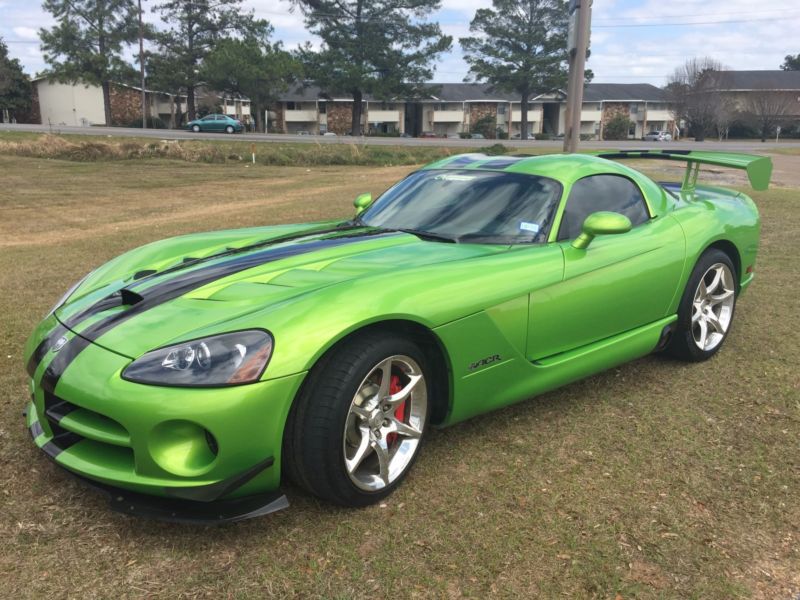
(601,192)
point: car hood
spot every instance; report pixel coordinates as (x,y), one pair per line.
(196,285)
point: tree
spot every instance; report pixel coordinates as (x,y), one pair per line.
(725,113)
(519,46)
(791,63)
(693,89)
(252,67)
(87,42)
(617,127)
(164,76)
(194,28)
(380,47)
(766,110)
(15,87)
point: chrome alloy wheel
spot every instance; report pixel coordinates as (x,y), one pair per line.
(385,422)
(712,308)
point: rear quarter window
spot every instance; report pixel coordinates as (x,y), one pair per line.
(595,193)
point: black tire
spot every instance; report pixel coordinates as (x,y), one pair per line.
(313,451)
(682,344)
(229,129)
(196,128)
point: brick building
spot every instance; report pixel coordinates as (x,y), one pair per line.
(450,109)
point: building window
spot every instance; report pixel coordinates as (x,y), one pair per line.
(634,108)
(501,109)
(291,106)
(322,107)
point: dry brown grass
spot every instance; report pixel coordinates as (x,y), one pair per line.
(653,480)
(225,150)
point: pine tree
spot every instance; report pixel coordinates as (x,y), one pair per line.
(519,46)
(791,62)
(194,28)
(86,44)
(252,67)
(15,87)
(380,47)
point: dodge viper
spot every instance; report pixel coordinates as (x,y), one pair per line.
(189,377)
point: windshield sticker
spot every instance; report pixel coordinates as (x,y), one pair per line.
(532,227)
(452,177)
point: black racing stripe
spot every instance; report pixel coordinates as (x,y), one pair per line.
(62,360)
(36,429)
(185,264)
(173,288)
(51,449)
(118,298)
(43,348)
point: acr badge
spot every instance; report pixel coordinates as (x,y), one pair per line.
(484,361)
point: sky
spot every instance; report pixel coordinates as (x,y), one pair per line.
(631,41)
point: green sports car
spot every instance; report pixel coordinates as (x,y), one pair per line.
(188,377)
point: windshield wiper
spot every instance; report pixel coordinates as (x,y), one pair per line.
(428,235)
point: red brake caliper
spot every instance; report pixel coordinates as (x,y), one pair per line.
(399,414)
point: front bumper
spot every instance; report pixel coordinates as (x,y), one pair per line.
(211,510)
(175,445)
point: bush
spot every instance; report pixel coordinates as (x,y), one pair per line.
(486,126)
(617,128)
(494,150)
(542,136)
(502,134)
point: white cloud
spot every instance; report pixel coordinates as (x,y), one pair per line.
(618,54)
(26,33)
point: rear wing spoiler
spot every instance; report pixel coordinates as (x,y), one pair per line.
(758,168)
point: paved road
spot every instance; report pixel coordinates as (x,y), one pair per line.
(163,134)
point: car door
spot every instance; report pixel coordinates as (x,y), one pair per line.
(620,282)
(219,123)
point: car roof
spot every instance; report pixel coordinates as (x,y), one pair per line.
(565,168)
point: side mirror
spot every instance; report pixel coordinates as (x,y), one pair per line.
(361,202)
(601,223)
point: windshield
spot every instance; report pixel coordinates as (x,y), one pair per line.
(469,205)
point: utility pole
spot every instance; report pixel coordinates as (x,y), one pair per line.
(578,42)
(141,66)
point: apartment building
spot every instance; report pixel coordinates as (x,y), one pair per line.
(450,109)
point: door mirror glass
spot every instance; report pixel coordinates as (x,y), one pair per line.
(601,223)
(361,202)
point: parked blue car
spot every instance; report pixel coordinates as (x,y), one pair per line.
(216,123)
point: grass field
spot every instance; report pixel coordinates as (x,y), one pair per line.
(653,480)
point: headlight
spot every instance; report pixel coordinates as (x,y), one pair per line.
(227,359)
(66,295)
